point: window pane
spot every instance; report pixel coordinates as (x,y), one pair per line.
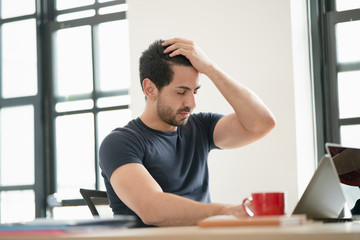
(114,55)
(101,1)
(71,213)
(113,9)
(75,153)
(342,5)
(109,120)
(350,135)
(74,105)
(347,41)
(18,59)
(73,61)
(10,8)
(65,4)
(348,87)
(17,145)
(75,15)
(17,206)
(113,101)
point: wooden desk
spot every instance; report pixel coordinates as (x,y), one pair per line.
(328,231)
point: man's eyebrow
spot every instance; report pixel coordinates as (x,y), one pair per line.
(187,88)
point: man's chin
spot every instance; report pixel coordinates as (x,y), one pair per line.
(183,122)
(179,122)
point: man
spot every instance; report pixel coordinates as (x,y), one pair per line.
(156,166)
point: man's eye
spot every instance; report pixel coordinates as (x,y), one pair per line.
(181,93)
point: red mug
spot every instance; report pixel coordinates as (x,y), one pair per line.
(265,204)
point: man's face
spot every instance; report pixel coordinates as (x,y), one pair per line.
(176,101)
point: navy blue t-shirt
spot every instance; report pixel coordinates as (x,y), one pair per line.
(176,160)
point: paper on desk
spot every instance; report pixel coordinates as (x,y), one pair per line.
(44,226)
(229,221)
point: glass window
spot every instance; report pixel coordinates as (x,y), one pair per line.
(91,71)
(17,145)
(73,61)
(68,213)
(11,8)
(114,55)
(74,105)
(66,4)
(342,5)
(101,1)
(75,15)
(17,206)
(347,41)
(75,153)
(109,120)
(84,73)
(18,59)
(113,9)
(348,87)
(113,101)
(350,135)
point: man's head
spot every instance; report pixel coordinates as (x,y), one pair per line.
(157,66)
(169,84)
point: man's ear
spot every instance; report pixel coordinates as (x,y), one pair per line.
(150,89)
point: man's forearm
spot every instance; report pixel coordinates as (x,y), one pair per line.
(166,209)
(141,193)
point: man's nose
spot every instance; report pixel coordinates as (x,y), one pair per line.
(190,101)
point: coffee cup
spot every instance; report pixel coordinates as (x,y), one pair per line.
(265,204)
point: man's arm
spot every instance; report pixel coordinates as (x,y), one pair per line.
(140,192)
(251,119)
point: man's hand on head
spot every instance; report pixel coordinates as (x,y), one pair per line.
(189,49)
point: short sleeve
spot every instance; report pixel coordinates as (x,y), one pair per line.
(120,147)
(207,122)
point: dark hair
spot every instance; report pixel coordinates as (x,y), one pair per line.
(156,65)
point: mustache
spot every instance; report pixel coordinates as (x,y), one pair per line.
(186,109)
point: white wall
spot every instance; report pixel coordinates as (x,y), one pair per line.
(252,41)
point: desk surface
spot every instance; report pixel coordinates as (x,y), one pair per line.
(328,231)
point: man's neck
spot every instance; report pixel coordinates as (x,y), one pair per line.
(154,122)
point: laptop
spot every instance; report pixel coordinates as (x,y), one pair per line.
(323,198)
(347,163)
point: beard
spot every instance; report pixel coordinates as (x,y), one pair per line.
(169,116)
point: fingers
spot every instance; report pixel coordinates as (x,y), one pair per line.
(178,46)
(188,49)
(177,49)
(175,40)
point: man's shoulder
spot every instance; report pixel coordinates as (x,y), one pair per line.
(132,126)
(131,131)
(205,114)
(205,117)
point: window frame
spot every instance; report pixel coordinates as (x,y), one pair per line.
(53,26)
(44,101)
(323,18)
(36,101)
(335,122)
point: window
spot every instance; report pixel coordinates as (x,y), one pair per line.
(21,190)
(63,86)
(336,63)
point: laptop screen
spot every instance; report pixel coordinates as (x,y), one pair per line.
(347,164)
